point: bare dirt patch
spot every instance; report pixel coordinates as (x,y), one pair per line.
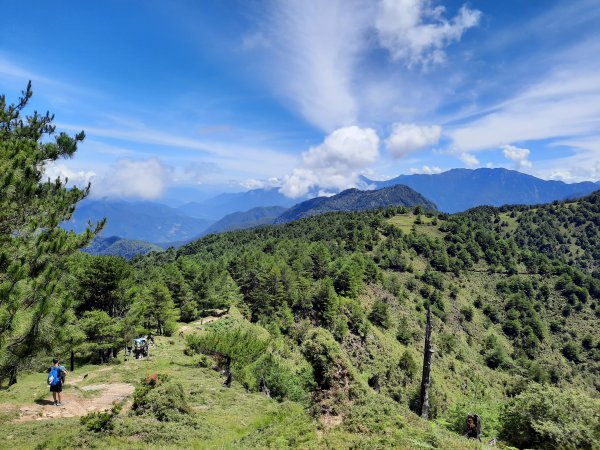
(75,406)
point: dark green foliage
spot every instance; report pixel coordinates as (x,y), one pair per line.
(572,351)
(286,378)
(355,200)
(101,421)
(546,417)
(404,334)
(380,314)
(160,398)
(494,353)
(467,313)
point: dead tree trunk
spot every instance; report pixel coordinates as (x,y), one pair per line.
(72,366)
(426,378)
(228,374)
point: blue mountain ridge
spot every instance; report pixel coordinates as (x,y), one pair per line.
(460,189)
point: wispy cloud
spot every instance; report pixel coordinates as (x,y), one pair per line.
(323,54)
(318,47)
(563,103)
(416,32)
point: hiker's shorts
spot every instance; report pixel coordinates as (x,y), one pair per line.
(56,388)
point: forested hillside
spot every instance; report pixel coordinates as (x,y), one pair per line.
(303,335)
(356,200)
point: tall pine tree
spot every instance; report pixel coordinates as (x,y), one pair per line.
(33,247)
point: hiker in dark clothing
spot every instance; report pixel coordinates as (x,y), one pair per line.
(473,427)
(56,379)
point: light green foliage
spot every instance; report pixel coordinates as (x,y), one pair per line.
(546,417)
(236,342)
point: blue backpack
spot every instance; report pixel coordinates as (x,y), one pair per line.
(53,378)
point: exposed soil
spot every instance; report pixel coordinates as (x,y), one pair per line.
(75,406)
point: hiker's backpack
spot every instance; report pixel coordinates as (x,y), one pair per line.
(53,378)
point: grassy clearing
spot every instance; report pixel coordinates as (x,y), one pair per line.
(406,222)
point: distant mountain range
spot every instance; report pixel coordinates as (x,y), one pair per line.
(223,204)
(460,189)
(145,221)
(116,246)
(356,200)
(129,223)
(263,215)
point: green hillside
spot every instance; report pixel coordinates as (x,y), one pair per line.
(329,313)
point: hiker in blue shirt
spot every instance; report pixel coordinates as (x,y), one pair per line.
(56,379)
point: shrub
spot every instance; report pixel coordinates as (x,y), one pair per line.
(404,335)
(546,417)
(494,354)
(160,397)
(467,313)
(572,351)
(101,420)
(285,378)
(380,314)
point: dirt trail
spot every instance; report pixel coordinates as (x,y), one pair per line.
(75,406)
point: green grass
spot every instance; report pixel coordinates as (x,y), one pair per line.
(222,418)
(406,222)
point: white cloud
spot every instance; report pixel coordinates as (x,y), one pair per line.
(269,183)
(135,179)
(564,103)
(517,155)
(426,170)
(78,178)
(468,159)
(336,163)
(318,45)
(407,138)
(416,32)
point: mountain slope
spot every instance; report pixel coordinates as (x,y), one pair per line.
(356,200)
(349,292)
(247,219)
(116,246)
(568,230)
(460,189)
(223,204)
(145,221)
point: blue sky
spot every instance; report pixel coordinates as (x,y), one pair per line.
(187,96)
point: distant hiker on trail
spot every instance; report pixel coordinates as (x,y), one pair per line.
(56,379)
(473,427)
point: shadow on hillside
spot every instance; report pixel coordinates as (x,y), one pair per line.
(43,402)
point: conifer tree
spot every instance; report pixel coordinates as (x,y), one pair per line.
(33,247)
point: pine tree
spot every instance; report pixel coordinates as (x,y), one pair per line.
(33,247)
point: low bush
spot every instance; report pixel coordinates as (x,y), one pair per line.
(101,421)
(161,398)
(545,417)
